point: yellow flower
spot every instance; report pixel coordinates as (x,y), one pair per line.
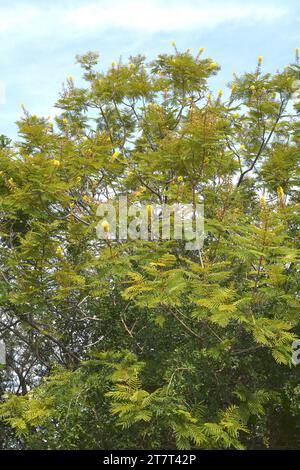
(115,155)
(143,189)
(131,65)
(220,93)
(72,205)
(242,147)
(113,64)
(213,65)
(86,198)
(78,179)
(260,59)
(209,97)
(201,50)
(105,226)
(233,88)
(137,193)
(11,184)
(262,202)
(173,43)
(252,87)
(70,78)
(149,210)
(59,252)
(56,163)
(280,193)
(180,179)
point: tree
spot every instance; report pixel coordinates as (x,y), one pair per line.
(140,343)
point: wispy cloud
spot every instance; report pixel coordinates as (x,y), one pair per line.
(12,17)
(153,16)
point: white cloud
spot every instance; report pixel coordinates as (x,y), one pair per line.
(14,17)
(152,16)
(157,16)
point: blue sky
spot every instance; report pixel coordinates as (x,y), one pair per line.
(40,38)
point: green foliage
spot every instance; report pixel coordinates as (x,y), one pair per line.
(142,344)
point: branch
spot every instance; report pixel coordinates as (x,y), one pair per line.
(185,326)
(263,144)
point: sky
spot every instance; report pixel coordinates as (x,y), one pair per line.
(40,38)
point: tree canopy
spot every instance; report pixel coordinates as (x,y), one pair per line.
(141,344)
